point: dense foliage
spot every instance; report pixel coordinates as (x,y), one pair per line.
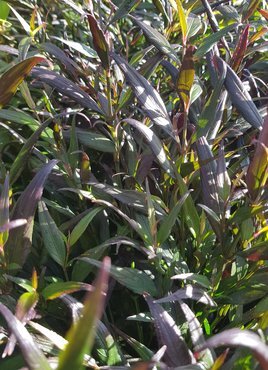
(133,183)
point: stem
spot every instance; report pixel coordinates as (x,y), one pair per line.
(109,96)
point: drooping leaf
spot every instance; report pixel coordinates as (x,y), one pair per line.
(154,143)
(19,241)
(212,39)
(177,353)
(78,46)
(81,335)
(100,44)
(66,88)
(157,39)
(55,290)
(239,96)
(186,77)
(240,338)
(31,353)
(11,79)
(53,239)
(146,95)
(92,139)
(135,280)
(189,292)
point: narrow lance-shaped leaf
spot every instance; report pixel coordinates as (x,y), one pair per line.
(223,179)
(126,7)
(147,96)
(4,212)
(169,221)
(197,335)
(34,358)
(240,338)
(177,352)
(100,44)
(239,95)
(19,241)
(240,49)
(186,77)
(24,313)
(53,239)
(135,280)
(11,79)
(250,9)
(209,121)
(81,335)
(211,40)
(257,173)
(189,292)
(154,143)
(66,88)
(157,39)
(82,225)
(55,290)
(183,21)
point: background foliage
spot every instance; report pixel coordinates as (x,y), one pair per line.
(133,142)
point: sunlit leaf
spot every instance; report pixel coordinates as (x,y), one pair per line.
(186,77)
(148,97)
(99,41)
(11,79)
(157,39)
(240,49)
(55,290)
(177,353)
(125,7)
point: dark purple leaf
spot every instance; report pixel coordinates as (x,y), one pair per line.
(147,96)
(189,292)
(66,88)
(31,353)
(168,334)
(19,241)
(239,96)
(237,338)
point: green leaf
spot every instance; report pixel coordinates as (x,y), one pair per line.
(52,237)
(93,140)
(133,279)
(169,221)
(211,40)
(81,335)
(80,228)
(125,7)
(55,290)
(4,10)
